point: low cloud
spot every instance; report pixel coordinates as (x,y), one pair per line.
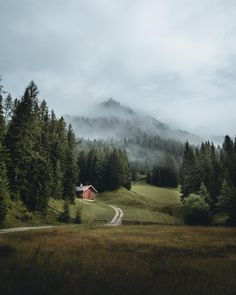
(173,59)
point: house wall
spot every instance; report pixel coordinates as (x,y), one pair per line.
(88,195)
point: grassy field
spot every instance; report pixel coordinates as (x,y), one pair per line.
(157,197)
(18,215)
(90,211)
(146,203)
(119,260)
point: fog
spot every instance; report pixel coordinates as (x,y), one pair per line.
(174,60)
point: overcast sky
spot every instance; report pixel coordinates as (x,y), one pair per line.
(175,59)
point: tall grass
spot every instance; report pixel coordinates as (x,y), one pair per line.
(122,260)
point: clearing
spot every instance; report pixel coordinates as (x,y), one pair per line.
(143,204)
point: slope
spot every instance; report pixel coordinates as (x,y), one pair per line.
(146,204)
(110,119)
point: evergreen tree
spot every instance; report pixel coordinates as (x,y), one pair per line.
(8,108)
(82,167)
(65,215)
(227,200)
(149,177)
(229,159)
(20,140)
(204,194)
(215,176)
(4,194)
(58,181)
(27,142)
(189,174)
(114,168)
(125,170)
(71,168)
(78,217)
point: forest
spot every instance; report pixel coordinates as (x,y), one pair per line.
(209,172)
(40,156)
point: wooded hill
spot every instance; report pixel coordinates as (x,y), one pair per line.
(39,155)
(42,159)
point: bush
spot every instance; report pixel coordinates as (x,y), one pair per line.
(196,210)
(65,215)
(78,217)
(3,209)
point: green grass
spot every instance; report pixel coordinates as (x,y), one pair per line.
(146,203)
(156,197)
(19,215)
(90,211)
(124,260)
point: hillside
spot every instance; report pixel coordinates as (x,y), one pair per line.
(143,204)
(146,203)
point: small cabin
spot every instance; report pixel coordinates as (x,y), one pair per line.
(86,192)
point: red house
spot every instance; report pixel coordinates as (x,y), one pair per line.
(86,192)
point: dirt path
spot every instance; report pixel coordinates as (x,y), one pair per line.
(117,219)
(24,228)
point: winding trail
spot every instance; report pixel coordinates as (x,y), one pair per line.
(117,219)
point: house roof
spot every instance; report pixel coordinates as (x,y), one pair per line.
(85,187)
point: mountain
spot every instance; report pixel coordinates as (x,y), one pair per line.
(111,119)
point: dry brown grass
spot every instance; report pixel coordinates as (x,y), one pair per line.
(119,260)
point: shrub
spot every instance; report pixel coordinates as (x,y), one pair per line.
(196,210)
(65,215)
(78,217)
(3,209)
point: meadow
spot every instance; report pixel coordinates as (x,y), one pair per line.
(124,260)
(143,204)
(146,203)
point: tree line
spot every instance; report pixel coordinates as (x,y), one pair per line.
(106,167)
(210,172)
(40,156)
(164,176)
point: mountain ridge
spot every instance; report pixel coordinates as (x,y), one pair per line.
(111,119)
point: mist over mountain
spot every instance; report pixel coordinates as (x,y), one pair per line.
(111,119)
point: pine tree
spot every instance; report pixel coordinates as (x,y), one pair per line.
(114,170)
(189,174)
(27,141)
(65,215)
(229,159)
(71,168)
(20,140)
(8,108)
(82,167)
(4,194)
(149,177)
(78,216)
(125,170)
(58,181)
(227,200)
(215,176)
(204,194)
